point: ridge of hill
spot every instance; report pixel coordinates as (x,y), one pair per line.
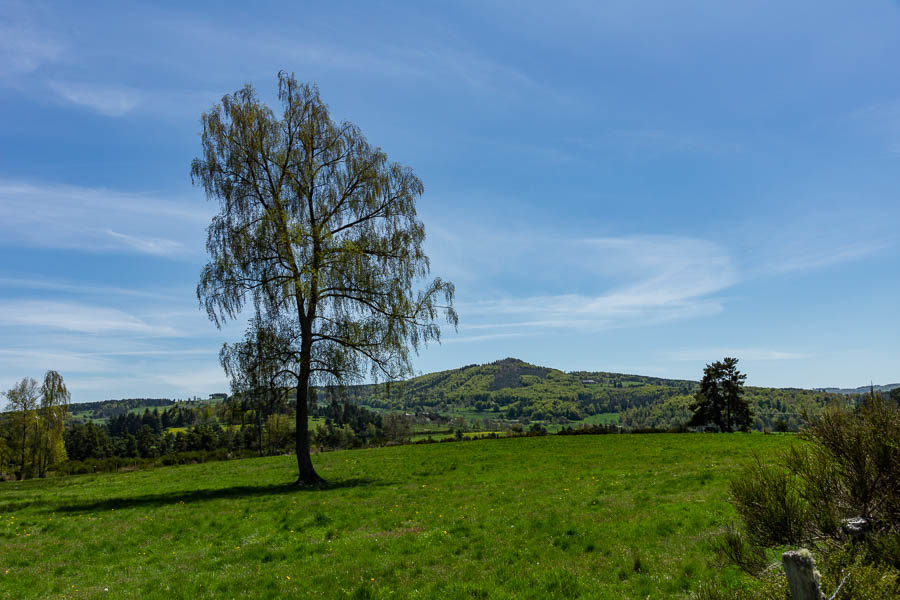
(512,389)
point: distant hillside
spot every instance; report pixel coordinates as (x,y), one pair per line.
(504,386)
(512,389)
(884,389)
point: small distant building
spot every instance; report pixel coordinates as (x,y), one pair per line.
(587,381)
(218,396)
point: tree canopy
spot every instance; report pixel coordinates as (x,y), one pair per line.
(319,231)
(720,401)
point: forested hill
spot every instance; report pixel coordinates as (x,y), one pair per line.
(515,390)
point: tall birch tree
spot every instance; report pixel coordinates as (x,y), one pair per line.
(319,231)
(22,403)
(54,406)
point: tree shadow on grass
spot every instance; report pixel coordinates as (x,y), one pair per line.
(192,496)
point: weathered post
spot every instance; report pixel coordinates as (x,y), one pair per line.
(802,576)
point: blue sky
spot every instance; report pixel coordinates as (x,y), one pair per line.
(632,186)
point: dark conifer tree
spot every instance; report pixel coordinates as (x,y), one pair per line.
(720,401)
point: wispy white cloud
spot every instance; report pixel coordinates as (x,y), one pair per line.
(24,44)
(66,360)
(617,309)
(808,258)
(158,246)
(21,362)
(63,216)
(667,279)
(24,51)
(45,197)
(841,230)
(77,288)
(108,353)
(107,100)
(104,352)
(710,354)
(168,352)
(81,318)
(449,339)
(444,61)
(841,36)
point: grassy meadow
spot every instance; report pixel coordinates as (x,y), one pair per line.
(609,516)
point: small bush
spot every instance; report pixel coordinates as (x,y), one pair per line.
(772,505)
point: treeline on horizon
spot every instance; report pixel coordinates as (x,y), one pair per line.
(178,433)
(507,397)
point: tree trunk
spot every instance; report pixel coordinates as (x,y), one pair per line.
(21,474)
(35,449)
(259,424)
(308,475)
(46,445)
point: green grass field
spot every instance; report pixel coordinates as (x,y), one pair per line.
(615,516)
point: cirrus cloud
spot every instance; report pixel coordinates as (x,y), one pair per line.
(107,100)
(81,318)
(666,278)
